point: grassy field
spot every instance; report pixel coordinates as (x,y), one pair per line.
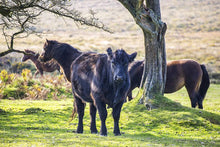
(46,123)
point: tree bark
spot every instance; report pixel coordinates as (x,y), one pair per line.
(148,16)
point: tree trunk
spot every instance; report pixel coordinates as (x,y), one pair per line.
(148,17)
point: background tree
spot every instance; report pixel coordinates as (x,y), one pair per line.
(148,16)
(18,18)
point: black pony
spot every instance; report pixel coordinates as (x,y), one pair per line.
(99,79)
(186,72)
(63,53)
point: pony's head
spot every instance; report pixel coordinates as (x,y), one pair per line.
(29,54)
(119,61)
(47,53)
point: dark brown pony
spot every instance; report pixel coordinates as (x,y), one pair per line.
(49,66)
(98,79)
(180,73)
(63,53)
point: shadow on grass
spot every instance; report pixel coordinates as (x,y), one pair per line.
(165,104)
(31,117)
(173,141)
(171,121)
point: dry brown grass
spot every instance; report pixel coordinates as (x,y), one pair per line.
(193,30)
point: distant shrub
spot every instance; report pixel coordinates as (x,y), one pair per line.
(12,92)
(25,86)
(5,77)
(18,67)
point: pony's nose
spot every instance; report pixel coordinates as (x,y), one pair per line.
(41,58)
(118,78)
(114,103)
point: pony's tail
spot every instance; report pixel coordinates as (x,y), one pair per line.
(205,82)
(73,112)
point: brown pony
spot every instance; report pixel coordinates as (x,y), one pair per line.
(180,73)
(49,66)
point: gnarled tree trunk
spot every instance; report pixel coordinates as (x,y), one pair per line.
(147,15)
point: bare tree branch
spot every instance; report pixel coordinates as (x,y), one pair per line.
(10,51)
(21,15)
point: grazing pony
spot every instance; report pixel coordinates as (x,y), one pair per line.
(180,73)
(49,66)
(99,79)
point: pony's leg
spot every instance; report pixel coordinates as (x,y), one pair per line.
(191,89)
(36,73)
(41,72)
(93,119)
(58,69)
(130,96)
(200,100)
(193,102)
(116,115)
(103,115)
(80,110)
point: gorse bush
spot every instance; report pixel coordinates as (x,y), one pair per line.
(18,67)
(5,77)
(25,86)
(7,90)
(11,92)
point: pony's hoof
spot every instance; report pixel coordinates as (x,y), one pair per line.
(119,134)
(103,135)
(94,132)
(74,131)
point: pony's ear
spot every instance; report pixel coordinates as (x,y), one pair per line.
(47,41)
(37,55)
(132,56)
(109,51)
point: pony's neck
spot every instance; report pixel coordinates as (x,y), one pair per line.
(34,60)
(65,60)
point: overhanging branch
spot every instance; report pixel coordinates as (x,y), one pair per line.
(10,51)
(77,18)
(20,15)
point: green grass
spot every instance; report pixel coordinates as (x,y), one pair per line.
(45,123)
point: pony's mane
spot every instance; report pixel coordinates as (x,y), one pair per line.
(29,51)
(57,44)
(54,42)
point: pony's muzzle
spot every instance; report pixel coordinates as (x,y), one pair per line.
(114,103)
(118,79)
(42,58)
